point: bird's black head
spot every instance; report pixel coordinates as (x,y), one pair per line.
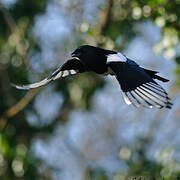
(83,51)
(87,51)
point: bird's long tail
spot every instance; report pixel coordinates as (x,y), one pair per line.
(154,76)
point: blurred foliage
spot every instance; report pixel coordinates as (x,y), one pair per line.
(17,42)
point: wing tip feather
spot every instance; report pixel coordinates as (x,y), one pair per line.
(21,87)
(142,98)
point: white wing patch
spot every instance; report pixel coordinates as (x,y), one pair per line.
(116,58)
(64,74)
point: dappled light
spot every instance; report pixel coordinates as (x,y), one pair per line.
(79,127)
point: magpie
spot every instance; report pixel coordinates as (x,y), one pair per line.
(137,84)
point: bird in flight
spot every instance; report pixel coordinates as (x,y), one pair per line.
(137,84)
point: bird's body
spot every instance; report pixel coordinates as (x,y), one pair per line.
(96,62)
(137,84)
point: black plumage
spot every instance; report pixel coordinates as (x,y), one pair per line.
(137,84)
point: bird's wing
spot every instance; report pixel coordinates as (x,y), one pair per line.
(69,68)
(138,87)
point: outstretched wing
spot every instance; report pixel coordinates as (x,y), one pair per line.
(69,68)
(138,87)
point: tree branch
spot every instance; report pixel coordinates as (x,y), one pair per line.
(12,111)
(105,17)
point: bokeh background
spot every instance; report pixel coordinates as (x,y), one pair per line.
(80,128)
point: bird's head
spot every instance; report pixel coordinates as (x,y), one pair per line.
(83,51)
(87,51)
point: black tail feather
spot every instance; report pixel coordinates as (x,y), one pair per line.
(154,76)
(160,78)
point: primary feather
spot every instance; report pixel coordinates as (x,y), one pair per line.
(69,68)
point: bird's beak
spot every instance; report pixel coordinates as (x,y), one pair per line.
(75,54)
